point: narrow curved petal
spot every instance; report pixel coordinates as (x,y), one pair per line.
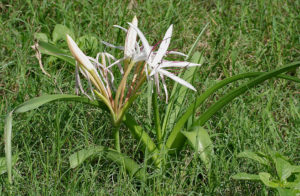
(146,44)
(112,46)
(122,28)
(131,39)
(176,53)
(79,55)
(165,87)
(177,79)
(182,64)
(163,47)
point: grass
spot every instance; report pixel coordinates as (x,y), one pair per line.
(242,36)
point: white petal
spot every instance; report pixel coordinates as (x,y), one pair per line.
(177,53)
(154,71)
(165,87)
(140,57)
(120,28)
(112,46)
(119,65)
(163,47)
(177,79)
(177,64)
(79,55)
(131,39)
(146,45)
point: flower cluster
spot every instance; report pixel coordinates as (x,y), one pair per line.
(146,63)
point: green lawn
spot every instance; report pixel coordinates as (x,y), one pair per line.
(242,36)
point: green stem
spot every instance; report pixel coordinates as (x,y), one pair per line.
(117,138)
(141,135)
(118,149)
(156,118)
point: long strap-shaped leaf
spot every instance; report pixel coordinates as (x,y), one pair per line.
(141,135)
(178,95)
(31,105)
(46,48)
(171,114)
(131,166)
(176,139)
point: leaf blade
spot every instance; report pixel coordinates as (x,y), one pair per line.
(201,142)
(60,31)
(245,176)
(49,49)
(141,135)
(176,139)
(254,156)
(131,166)
(7,139)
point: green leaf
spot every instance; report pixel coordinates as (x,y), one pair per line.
(3,163)
(88,42)
(7,140)
(156,117)
(245,176)
(60,31)
(286,192)
(39,101)
(296,183)
(41,37)
(176,139)
(181,91)
(296,169)
(200,141)
(284,169)
(131,166)
(50,49)
(265,178)
(178,95)
(254,156)
(196,41)
(240,90)
(149,98)
(139,134)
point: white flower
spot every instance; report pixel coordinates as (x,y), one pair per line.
(132,50)
(158,65)
(130,42)
(94,71)
(78,54)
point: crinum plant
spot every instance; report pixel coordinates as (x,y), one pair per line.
(142,63)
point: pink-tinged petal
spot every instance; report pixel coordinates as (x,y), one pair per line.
(131,39)
(79,55)
(145,43)
(177,79)
(163,47)
(177,64)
